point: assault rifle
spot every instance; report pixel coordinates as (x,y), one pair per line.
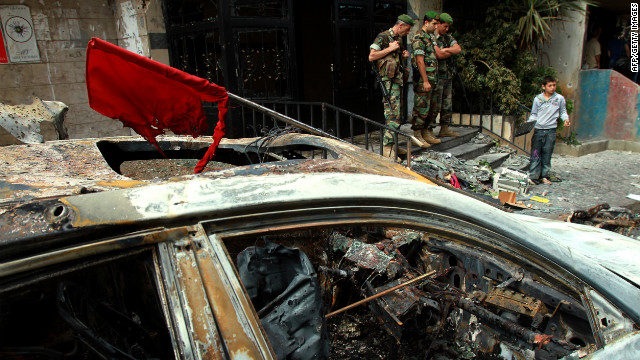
(451,62)
(385,92)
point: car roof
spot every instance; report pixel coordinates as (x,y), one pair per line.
(199,198)
(68,186)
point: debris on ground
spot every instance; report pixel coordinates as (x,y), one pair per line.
(620,220)
(511,180)
(572,187)
(474,176)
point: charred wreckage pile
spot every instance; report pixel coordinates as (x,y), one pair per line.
(480,179)
(472,175)
(392,293)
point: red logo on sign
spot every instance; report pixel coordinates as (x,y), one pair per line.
(3,51)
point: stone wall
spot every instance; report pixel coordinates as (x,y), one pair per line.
(62,29)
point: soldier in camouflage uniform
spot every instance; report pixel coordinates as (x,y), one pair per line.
(388,54)
(425,77)
(441,99)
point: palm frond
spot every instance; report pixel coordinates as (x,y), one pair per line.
(535,17)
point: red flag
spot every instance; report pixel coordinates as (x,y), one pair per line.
(149,96)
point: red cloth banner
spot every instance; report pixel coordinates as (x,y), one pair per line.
(150,97)
(3,52)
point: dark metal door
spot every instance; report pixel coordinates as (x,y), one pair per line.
(245,46)
(352,37)
(262,46)
(356,23)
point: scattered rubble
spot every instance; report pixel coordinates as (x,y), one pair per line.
(620,220)
(576,187)
(474,176)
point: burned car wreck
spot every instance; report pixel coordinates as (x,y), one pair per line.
(299,247)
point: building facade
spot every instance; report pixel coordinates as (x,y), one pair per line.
(261,50)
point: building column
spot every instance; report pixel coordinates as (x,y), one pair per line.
(563,51)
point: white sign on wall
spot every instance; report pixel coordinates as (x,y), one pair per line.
(18,33)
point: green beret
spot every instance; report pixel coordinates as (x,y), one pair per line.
(431,15)
(444,17)
(406,19)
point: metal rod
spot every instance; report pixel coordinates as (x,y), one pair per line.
(324,118)
(366,136)
(281,117)
(255,123)
(351,128)
(244,122)
(311,108)
(337,117)
(382,293)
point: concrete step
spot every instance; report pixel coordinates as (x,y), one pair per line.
(469,151)
(524,169)
(495,159)
(466,134)
(448,143)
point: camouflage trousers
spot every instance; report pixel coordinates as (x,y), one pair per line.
(441,103)
(421,104)
(392,111)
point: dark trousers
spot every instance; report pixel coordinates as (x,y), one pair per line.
(542,145)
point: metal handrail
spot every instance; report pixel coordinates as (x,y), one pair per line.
(277,115)
(500,135)
(322,131)
(310,126)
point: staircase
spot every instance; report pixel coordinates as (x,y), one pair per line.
(464,147)
(327,120)
(467,156)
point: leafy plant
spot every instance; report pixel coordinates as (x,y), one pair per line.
(534,24)
(570,139)
(497,65)
(534,18)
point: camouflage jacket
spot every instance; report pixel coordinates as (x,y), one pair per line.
(392,65)
(423,44)
(445,71)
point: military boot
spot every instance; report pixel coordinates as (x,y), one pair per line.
(427,134)
(446,132)
(418,140)
(390,151)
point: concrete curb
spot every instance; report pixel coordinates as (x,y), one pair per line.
(595,146)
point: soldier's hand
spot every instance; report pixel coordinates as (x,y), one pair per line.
(394,46)
(405,54)
(427,86)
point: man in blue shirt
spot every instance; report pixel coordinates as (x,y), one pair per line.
(547,108)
